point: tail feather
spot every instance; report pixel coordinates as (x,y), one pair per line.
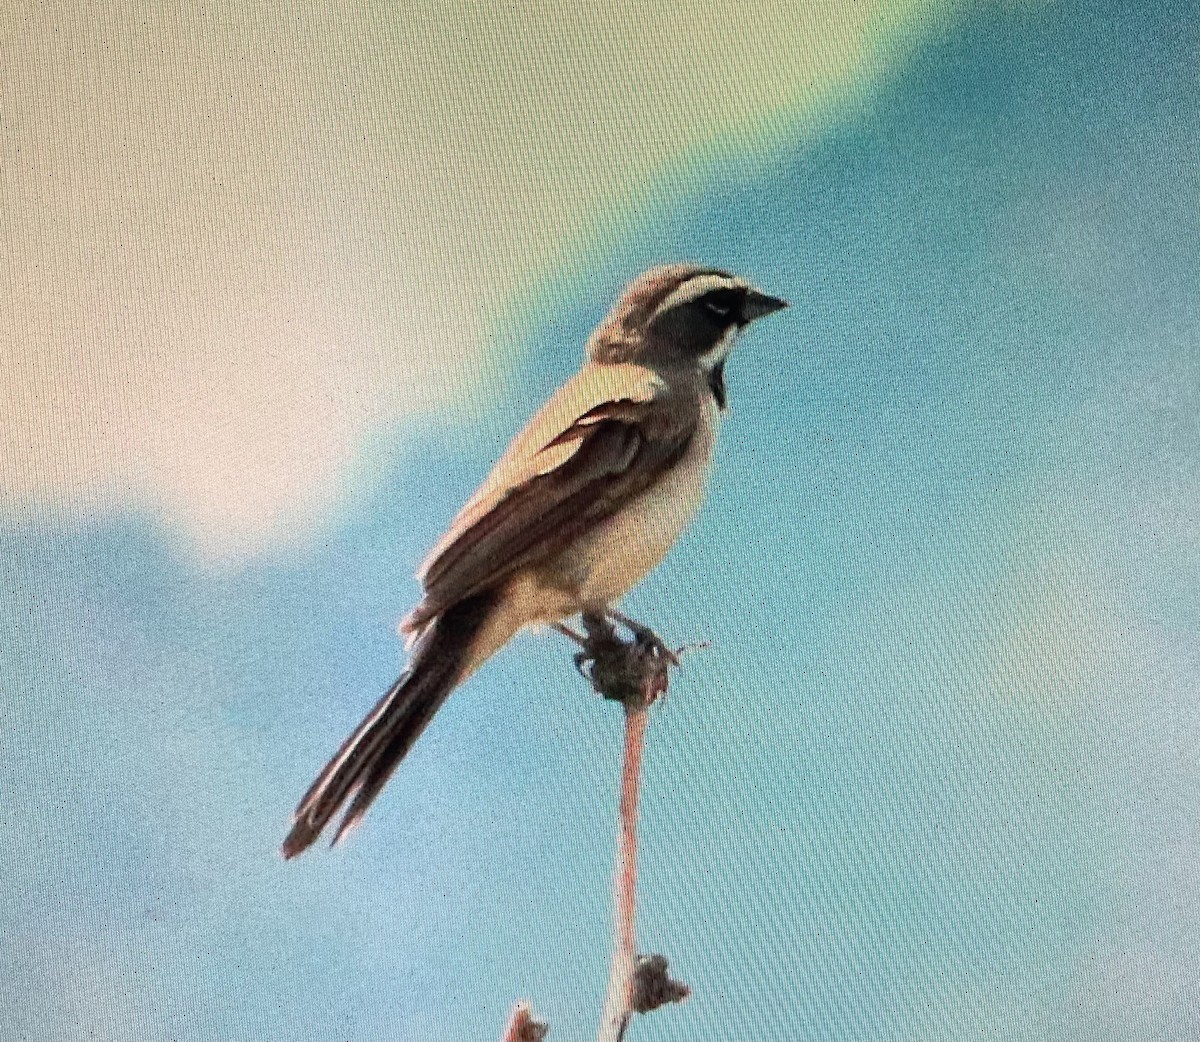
(367,759)
(385,763)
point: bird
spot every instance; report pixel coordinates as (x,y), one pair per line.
(584,503)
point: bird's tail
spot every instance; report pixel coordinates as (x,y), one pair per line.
(443,656)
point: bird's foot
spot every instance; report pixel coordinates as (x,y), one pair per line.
(646,639)
(633,672)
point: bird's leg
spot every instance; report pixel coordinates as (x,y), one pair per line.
(597,627)
(566,631)
(645,636)
(600,644)
(580,658)
(598,639)
(630,671)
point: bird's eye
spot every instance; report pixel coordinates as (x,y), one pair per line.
(719,308)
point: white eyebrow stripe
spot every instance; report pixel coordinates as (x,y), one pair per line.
(695,288)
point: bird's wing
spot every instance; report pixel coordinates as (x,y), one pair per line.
(606,436)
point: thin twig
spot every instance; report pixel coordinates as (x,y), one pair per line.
(634,673)
(618,1002)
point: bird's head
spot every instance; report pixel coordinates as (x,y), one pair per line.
(681,315)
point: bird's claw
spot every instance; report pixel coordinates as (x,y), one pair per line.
(629,671)
(581,659)
(650,642)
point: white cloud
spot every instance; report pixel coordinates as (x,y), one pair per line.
(238,238)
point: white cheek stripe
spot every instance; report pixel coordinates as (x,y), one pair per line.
(720,350)
(697,287)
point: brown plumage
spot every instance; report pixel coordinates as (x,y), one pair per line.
(605,458)
(585,501)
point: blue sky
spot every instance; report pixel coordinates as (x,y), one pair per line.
(937,775)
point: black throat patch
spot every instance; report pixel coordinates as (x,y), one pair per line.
(716,384)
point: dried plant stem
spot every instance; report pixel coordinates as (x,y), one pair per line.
(634,673)
(523,1025)
(618,1002)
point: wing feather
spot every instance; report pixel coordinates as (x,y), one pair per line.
(558,480)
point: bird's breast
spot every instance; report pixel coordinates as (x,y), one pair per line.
(624,548)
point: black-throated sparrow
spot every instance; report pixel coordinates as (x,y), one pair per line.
(587,499)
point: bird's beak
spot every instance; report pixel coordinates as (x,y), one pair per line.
(759,305)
